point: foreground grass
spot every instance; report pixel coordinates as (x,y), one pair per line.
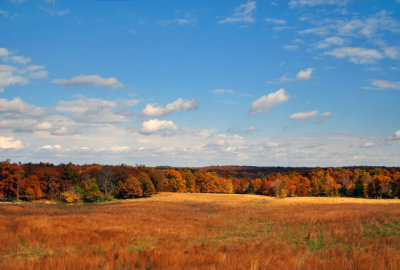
(203,231)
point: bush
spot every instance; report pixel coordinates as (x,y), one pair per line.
(70,196)
(91,192)
(29,194)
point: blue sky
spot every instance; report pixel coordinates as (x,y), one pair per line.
(194,83)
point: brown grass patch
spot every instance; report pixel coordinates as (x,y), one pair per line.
(203,231)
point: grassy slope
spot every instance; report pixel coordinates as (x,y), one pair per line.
(203,231)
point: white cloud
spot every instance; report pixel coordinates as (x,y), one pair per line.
(118,148)
(392,52)
(310,116)
(368,144)
(9,142)
(359,27)
(4,53)
(357,55)
(180,21)
(93,81)
(267,102)
(9,77)
(382,84)
(304,115)
(275,21)
(130,102)
(50,147)
(4,13)
(17,106)
(1,90)
(155,125)
(20,59)
(243,14)
(304,74)
(222,91)
(178,105)
(91,110)
(331,41)
(291,47)
(44,126)
(295,3)
(54,12)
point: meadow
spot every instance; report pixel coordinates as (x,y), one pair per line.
(202,231)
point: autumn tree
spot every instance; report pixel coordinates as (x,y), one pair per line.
(130,188)
(10,180)
(175,181)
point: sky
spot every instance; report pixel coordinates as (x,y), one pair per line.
(200,82)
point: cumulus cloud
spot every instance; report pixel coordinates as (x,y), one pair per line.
(178,105)
(368,145)
(222,91)
(50,147)
(91,110)
(9,142)
(310,116)
(267,102)
(12,75)
(155,125)
(9,77)
(118,148)
(243,14)
(17,106)
(93,81)
(44,126)
(357,55)
(304,74)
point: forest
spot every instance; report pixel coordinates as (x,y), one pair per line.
(97,183)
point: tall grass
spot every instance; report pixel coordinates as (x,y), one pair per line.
(202,231)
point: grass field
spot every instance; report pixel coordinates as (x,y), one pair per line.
(203,231)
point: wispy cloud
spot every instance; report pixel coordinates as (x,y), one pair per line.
(275,21)
(291,47)
(300,3)
(382,85)
(310,116)
(243,14)
(180,21)
(93,81)
(330,41)
(357,55)
(223,91)
(54,12)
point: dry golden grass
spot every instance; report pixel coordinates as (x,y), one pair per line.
(203,231)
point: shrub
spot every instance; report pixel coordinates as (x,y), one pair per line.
(70,196)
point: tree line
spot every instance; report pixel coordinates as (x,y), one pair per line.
(97,183)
